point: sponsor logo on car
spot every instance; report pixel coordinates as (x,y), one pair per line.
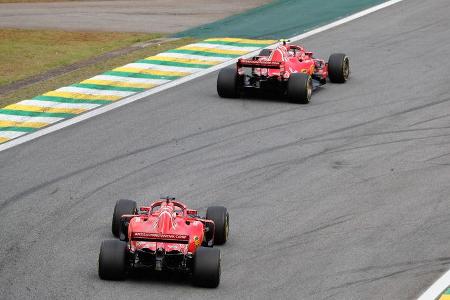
(159,236)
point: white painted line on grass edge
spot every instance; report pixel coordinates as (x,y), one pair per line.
(176,82)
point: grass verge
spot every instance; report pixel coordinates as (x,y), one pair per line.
(24,53)
(89,71)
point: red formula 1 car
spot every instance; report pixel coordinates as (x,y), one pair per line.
(288,69)
(165,236)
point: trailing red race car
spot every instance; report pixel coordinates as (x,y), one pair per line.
(288,69)
(165,236)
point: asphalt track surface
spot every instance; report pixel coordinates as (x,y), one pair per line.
(344,198)
(166,16)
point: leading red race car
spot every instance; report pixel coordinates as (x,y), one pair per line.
(165,236)
(288,69)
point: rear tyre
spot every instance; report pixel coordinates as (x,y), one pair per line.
(112,260)
(227,83)
(221,218)
(265,52)
(206,271)
(123,207)
(299,88)
(338,68)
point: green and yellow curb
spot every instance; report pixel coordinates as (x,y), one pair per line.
(54,106)
(445,295)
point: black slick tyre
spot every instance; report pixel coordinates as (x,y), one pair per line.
(338,68)
(112,260)
(265,52)
(227,83)
(299,88)
(221,218)
(206,272)
(123,207)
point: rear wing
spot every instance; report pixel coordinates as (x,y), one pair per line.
(160,237)
(250,63)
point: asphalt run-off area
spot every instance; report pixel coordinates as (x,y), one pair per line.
(343,198)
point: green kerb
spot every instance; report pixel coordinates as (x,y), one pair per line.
(172,63)
(108,87)
(21,129)
(235,44)
(202,53)
(35,114)
(71,100)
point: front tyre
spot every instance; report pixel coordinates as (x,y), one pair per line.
(219,215)
(112,260)
(206,270)
(123,207)
(299,88)
(227,83)
(338,68)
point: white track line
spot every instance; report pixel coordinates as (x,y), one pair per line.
(437,288)
(136,97)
